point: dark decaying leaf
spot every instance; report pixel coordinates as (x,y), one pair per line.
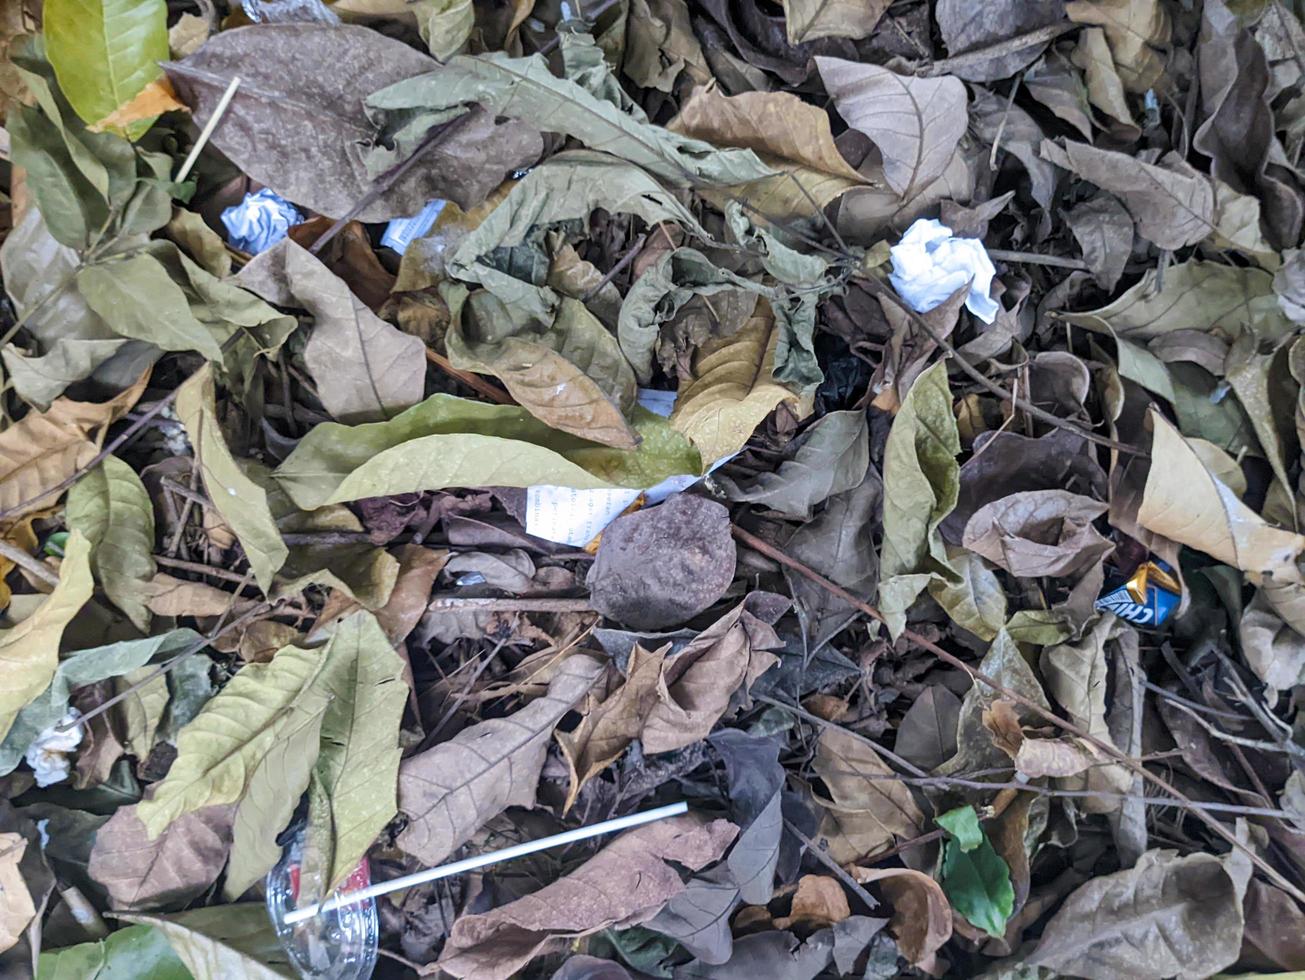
(966,26)
(304,132)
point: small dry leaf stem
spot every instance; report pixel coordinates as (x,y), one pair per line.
(1179,798)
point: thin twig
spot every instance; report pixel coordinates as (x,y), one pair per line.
(879,289)
(25,561)
(97,459)
(261,609)
(630,255)
(1037,258)
(1274,875)
(978,56)
(818,852)
(199,569)
(472,381)
(542,605)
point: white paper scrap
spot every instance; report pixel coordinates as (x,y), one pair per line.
(573,516)
(929,264)
(400,232)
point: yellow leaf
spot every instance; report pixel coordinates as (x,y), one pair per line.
(733,388)
(29,653)
(16,907)
(150,102)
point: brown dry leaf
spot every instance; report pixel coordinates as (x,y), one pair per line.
(1038,532)
(43,449)
(450,791)
(418,569)
(915,122)
(732,388)
(922,916)
(1172,203)
(153,100)
(1166,915)
(1139,33)
(699,683)
(1105,89)
(1187,503)
(16,907)
(791,136)
(142,874)
(818,902)
(611,723)
(624,884)
(167,595)
(868,806)
(351,257)
(1035,757)
(967,26)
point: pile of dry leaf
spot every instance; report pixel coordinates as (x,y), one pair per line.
(309,538)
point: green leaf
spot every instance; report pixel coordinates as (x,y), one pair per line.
(74,207)
(974,598)
(134,953)
(82,668)
(571,375)
(358,767)
(975,878)
(807,20)
(29,653)
(568,185)
(445,25)
(1206,296)
(733,388)
(220,750)
(237,498)
(112,508)
(658,295)
(105,51)
(831,457)
(223,941)
(276,780)
(963,824)
(921,482)
(455,442)
(525,88)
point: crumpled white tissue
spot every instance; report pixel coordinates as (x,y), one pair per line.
(261,220)
(929,264)
(48,753)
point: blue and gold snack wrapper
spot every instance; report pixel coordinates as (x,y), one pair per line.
(1146,598)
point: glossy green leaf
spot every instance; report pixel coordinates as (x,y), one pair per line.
(105,51)
(454,442)
(223,941)
(134,953)
(975,878)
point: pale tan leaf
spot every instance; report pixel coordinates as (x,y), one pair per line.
(43,449)
(1139,33)
(868,804)
(1187,503)
(1105,89)
(807,20)
(610,725)
(1165,916)
(922,916)
(819,901)
(142,708)
(29,652)
(16,907)
(450,791)
(732,388)
(1038,533)
(915,122)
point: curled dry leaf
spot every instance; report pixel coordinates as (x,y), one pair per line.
(922,916)
(1038,532)
(626,883)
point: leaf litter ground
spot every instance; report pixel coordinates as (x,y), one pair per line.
(972,630)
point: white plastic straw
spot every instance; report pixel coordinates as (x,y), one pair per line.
(482,860)
(209,126)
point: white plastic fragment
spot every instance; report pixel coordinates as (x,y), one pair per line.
(929,264)
(400,232)
(48,753)
(261,220)
(576,517)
